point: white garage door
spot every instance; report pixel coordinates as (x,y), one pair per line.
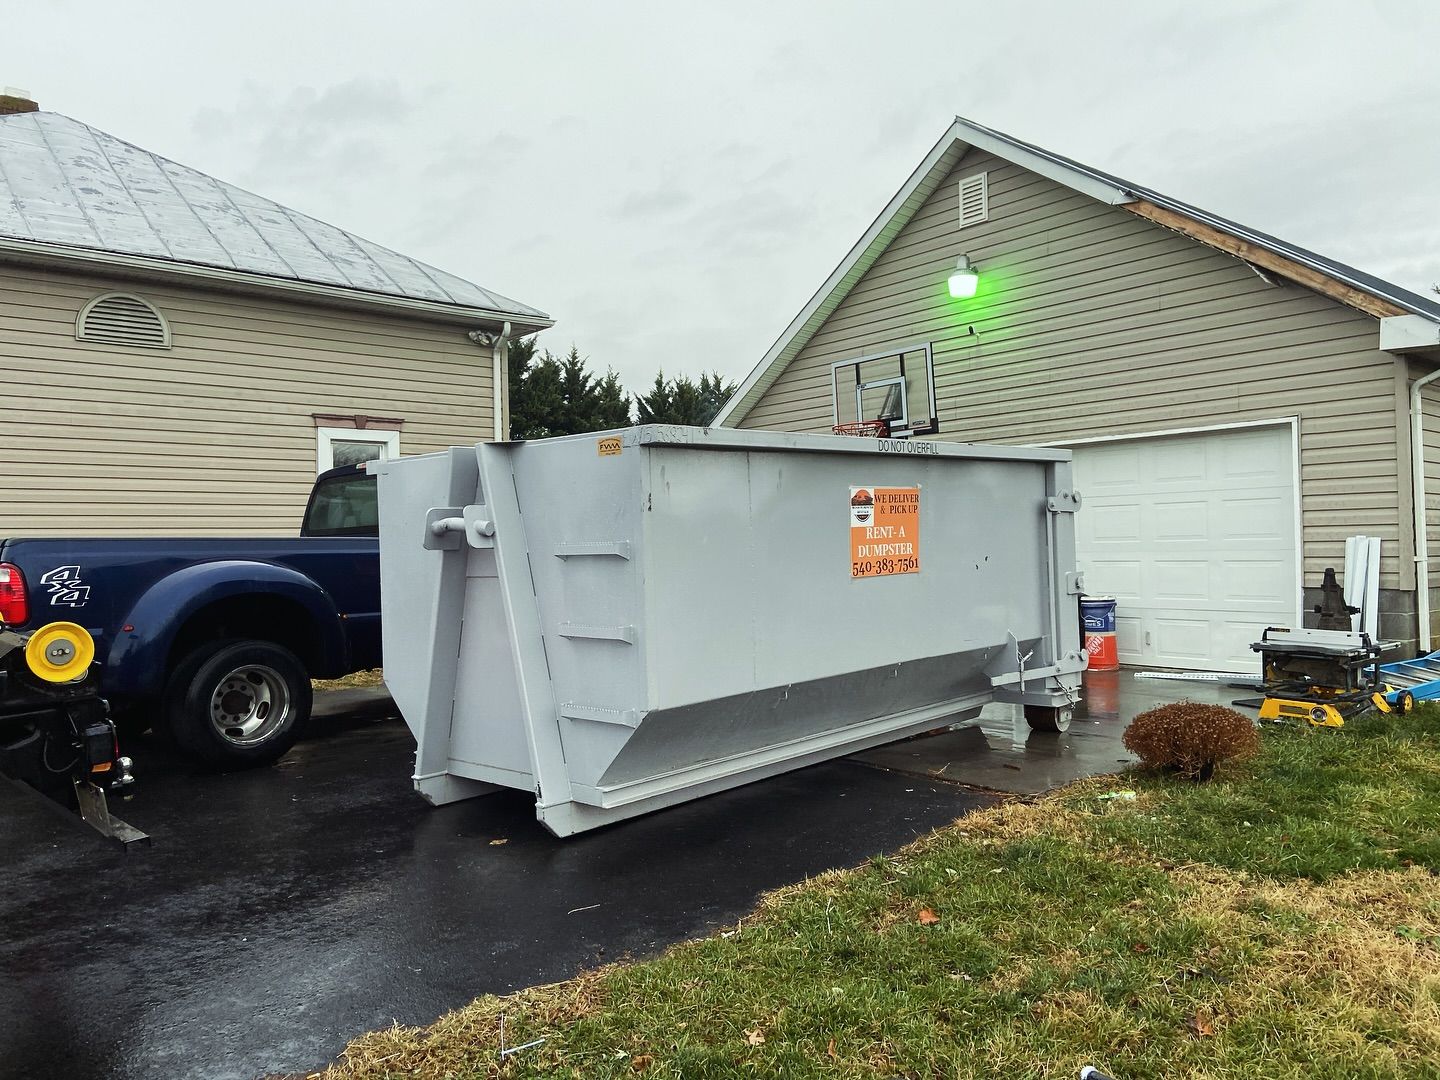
(1194,535)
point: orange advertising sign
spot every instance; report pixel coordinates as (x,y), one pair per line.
(884,531)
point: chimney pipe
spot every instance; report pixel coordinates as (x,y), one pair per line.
(14,100)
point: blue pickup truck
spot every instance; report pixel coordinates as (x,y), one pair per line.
(213,642)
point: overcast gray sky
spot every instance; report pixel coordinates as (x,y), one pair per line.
(671,181)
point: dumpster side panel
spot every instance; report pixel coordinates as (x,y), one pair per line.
(748,569)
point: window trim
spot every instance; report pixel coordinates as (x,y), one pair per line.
(927,425)
(326,437)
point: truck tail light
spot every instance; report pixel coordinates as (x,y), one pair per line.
(14,604)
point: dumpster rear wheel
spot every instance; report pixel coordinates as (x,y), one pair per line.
(1045,718)
(237,704)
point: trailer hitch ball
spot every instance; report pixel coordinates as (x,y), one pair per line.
(124,774)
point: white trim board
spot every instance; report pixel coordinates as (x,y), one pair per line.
(1293,421)
(387,439)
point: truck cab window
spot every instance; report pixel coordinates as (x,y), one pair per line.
(343,505)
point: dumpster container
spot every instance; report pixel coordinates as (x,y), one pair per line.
(627,620)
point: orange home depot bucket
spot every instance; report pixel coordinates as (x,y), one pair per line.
(1097,616)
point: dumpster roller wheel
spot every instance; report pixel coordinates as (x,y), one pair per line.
(1046,718)
(60,652)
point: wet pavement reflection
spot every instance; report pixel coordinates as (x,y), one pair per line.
(283,911)
(1001,753)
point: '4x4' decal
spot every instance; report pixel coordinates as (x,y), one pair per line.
(66,588)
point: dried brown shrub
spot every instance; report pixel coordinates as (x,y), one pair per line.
(1190,738)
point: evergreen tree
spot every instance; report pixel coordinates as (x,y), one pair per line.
(683,401)
(552,395)
(559,395)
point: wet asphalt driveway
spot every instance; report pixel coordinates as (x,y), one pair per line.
(283,911)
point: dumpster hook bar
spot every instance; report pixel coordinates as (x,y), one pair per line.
(445,526)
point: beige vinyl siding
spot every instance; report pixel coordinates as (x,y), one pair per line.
(215,435)
(1092,321)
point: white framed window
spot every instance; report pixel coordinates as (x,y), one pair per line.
(897,387)
(352,446)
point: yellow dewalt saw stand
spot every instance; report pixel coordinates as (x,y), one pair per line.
(1324,677)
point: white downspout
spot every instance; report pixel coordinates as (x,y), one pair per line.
(497,378)
(1417,483)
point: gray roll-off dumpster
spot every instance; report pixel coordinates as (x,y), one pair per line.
(631,619)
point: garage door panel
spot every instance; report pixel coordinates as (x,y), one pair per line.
(1269,517)
(1128,641)
(1112,524)
(1113,466)
(1235,641)
(1122,578)
(1187,640)
(1180,582)
(1195,537)
(1175,463)
(1179,521)
(1250,458)
(1258,582)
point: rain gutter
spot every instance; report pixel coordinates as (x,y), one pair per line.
(92,259)
(1417,481)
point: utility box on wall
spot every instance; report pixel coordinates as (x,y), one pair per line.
(627,620)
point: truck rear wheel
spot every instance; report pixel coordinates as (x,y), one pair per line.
(238,704)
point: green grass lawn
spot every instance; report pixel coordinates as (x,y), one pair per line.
(1280,921)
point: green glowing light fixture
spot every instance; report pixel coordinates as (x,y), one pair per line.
(965,280)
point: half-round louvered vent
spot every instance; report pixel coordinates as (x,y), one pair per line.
(122,319)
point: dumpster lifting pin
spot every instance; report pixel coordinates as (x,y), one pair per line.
(476,531)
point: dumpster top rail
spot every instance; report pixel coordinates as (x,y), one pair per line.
(717,438)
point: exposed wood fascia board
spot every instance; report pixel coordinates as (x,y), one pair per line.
(1262,257)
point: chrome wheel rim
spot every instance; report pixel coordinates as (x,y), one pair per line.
(249,705)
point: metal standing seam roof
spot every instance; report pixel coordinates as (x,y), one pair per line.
(959,139)
(66,184)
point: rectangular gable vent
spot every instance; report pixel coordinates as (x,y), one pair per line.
(974,199)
